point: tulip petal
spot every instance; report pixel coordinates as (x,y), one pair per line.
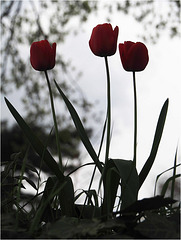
(103,41)
(134,56)
(42,55)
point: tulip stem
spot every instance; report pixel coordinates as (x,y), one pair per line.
(55,121)
(135,118)
(108,111)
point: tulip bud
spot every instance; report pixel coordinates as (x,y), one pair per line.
(134,56)
(103,41)
(42,55)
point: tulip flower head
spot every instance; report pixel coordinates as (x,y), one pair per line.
(42,55)
(103,41)
(134,56)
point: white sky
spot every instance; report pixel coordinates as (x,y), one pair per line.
(160,80)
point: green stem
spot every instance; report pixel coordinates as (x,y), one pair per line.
(108,110)
(55,121)
(135,118)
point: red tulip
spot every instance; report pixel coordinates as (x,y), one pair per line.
(103,41)
(42,55)
(134,56)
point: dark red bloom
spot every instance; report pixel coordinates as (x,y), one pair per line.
(42,55)
(134,56)
(103,41)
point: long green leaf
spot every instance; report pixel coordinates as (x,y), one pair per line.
(66,198)
(102,137)
(129,181)
(52,188)
(36,143)
(80,128)
(158,133)
(21,178)
(111,183)
(93,194)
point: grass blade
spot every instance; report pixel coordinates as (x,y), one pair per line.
(174,173)
(158,133)
(36,143)
(159,175)
(80,129)
(165,186)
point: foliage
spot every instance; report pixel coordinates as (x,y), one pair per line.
(113,211)
(13,141)
(155,217)
(157,18)
(57,213)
